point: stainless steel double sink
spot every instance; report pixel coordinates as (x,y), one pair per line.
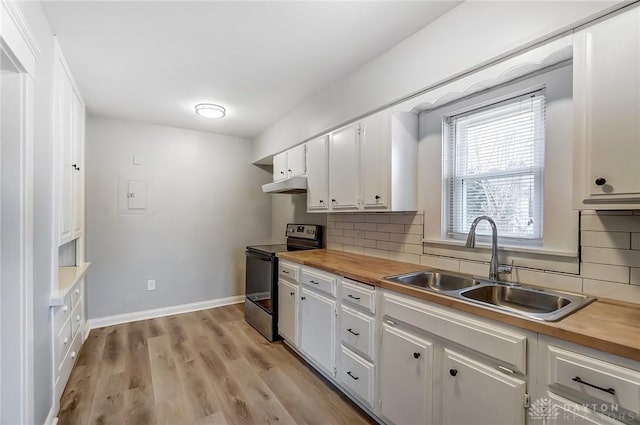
(514,299)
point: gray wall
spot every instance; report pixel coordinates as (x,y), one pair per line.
(288,208)
(205,205)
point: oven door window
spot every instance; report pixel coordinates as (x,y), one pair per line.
(260,270)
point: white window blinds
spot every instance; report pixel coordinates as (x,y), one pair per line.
(494,159)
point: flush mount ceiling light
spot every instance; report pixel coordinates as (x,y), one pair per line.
(210,110)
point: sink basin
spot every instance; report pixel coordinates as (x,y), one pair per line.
(515,300)
(435,281)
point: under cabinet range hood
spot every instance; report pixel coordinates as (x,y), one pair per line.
(296,184)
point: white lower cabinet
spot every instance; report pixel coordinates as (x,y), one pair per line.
(288,311)
(561,411)
(406,367)
(475,393)
(357,375)
(318,329)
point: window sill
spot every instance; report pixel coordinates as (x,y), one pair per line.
(509,248)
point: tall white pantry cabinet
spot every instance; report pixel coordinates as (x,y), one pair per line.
(68,284)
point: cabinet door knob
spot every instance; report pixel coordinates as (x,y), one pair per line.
(333,200)
(600,181)
(377,197)
(416,355)
(289,170)
(281,172)
(453,372)
(292,293)
(302,298)
(321,201)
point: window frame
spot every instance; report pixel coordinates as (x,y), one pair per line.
(450,201)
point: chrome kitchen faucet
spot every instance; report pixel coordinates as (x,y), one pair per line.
(494,270)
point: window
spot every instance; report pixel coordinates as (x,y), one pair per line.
(494,159)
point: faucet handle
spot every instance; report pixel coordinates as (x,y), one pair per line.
(505,269)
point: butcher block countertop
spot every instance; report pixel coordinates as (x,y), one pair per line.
(609,326)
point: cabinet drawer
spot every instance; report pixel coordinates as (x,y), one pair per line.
(357,330)
(63,341)
(497,342)
(593,380)
(359,294)
(61,314)
(77,318)
(566,412)
(357,375)
(77,293)
(319,281)
(288,271)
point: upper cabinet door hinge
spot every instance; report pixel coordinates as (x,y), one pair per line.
(526,400)
(359,130)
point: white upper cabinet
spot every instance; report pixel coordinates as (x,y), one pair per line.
(606,96)
(280,166)
(289,164)
(373,164)
(68,132)
(344,167)
(317,174)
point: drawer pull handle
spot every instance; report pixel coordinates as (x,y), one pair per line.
(314,282)
(611,391)
(352,376)
(391,322)
(352,332)
(352,297)
(285,271)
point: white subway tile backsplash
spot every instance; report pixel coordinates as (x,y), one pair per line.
(412,249)
(369,243)
(475,268)
(335,232)
(442,263)
(620,240)
(344,225)
(334,217)
(376,218)
(353,218)
(618,257)
(635,241)
(376,252)
(365,226)
(610,223)
(616,291)
(607,272)
(405,219)
(561,282)
(353,233)
(407,258)
(394,228)
(379,236)
(406,238)
(335,245)
(354,249)
(635,276)
(390,246)
(414,229)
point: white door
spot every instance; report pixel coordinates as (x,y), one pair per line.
(280,166)
(288,311)
(296,161)
(317,176)
(344,166)
(77,165)
(406,364)
(318,329)
(65,142)
(607,84)
(375,148)
(474,393)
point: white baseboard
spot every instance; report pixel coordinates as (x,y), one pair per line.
(118,319)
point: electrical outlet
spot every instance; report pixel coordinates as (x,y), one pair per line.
(151,285)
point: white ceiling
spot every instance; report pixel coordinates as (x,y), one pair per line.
(153,61)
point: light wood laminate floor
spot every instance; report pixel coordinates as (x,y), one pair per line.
(206,367)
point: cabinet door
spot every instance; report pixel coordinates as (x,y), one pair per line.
(280,166)
(317,178)
(65,145)
(296,161)
(474,393)
(77,171)
(288,311)
(344,166)
(375,148)
(406,363)
(318,329)
(607,102)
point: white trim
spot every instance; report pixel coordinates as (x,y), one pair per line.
(52,419)
(118,319)
(17,36)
